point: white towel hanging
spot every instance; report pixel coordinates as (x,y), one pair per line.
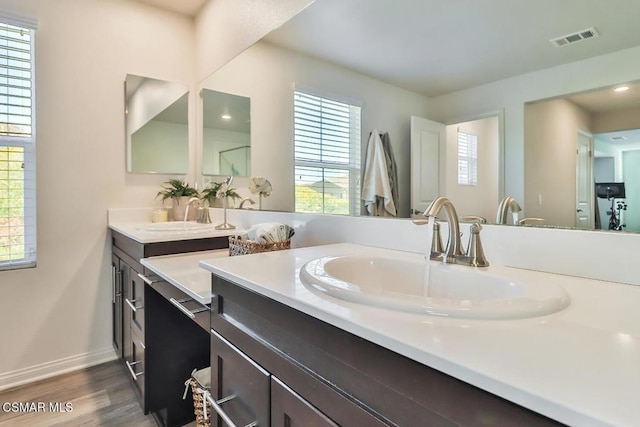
(375,184)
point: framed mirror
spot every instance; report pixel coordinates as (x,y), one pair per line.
(156,123)
(226,138)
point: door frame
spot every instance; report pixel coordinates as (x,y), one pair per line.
(501,144)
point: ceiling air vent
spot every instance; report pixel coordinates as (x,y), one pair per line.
(618,138)
(586,34)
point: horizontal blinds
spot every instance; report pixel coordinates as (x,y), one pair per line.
(15,81)
(467,158)
(327,155)
(17,152)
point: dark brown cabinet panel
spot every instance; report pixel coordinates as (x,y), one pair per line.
(238,384)
(345,379)
(288,409)
(159,345)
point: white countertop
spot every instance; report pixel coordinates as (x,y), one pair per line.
(580,366)
(136,232)
(183,272)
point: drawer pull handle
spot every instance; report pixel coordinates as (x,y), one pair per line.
(133,373)
(145,279)
(182,308)
(132,305)
(113,284)
(215,404)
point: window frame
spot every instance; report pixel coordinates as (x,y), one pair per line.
(28,144)
(352,166)
(468,161)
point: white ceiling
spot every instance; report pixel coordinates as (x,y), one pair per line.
(436,47)
(183,7)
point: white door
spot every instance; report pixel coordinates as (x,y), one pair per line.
(428,144)
(584,182)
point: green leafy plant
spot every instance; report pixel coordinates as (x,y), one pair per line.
(174,189)
(211,193)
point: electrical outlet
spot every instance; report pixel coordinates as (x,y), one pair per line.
(539,199)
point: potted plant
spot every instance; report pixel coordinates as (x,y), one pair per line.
(214,195)
(179,192)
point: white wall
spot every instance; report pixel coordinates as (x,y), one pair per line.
(511,94)
(224,28)
(481,199)
(551,135)
(384,107)
(58,315)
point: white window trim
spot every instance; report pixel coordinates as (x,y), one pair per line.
(29,147)
(353,167)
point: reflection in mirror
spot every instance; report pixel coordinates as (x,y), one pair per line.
(408,70)
(574,143)
(226,145)
(156,115)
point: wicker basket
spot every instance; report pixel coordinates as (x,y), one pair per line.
(245,247)
(199,400)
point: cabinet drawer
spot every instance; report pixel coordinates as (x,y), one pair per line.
(288,409)
(134,302)
(136,364)
(201,314)
(238,385)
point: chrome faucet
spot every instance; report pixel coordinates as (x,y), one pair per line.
(503,209)
(454,254)
(203,212)
(251,201)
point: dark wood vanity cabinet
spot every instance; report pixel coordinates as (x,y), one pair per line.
(157,341)
(320,375)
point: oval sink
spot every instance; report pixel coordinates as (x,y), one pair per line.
(175,226)
(452,290)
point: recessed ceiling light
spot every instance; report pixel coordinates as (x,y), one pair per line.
(226,116)
(621,89)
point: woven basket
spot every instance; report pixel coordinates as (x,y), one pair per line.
(245,247)
(199,400)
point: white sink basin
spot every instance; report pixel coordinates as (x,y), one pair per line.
(455,291)
(175,226)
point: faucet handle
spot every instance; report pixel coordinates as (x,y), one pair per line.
(475,254)
(437,248)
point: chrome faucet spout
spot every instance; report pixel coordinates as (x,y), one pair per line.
(508,203)
(251,201)
(454,245)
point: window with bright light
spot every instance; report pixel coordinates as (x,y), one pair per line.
(17,147)
(327,155)
(467,158)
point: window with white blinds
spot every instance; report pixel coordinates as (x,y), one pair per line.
(467,158)
(17,147)
(327,155)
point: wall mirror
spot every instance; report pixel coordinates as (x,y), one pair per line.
(574,142)
(226,138)
(156,116)
(408,71)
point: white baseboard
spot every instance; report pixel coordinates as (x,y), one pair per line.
(56,367)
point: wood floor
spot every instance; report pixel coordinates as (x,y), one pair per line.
(98,396)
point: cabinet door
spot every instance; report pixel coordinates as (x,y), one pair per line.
(288,409)
(116,305)
(239,385)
